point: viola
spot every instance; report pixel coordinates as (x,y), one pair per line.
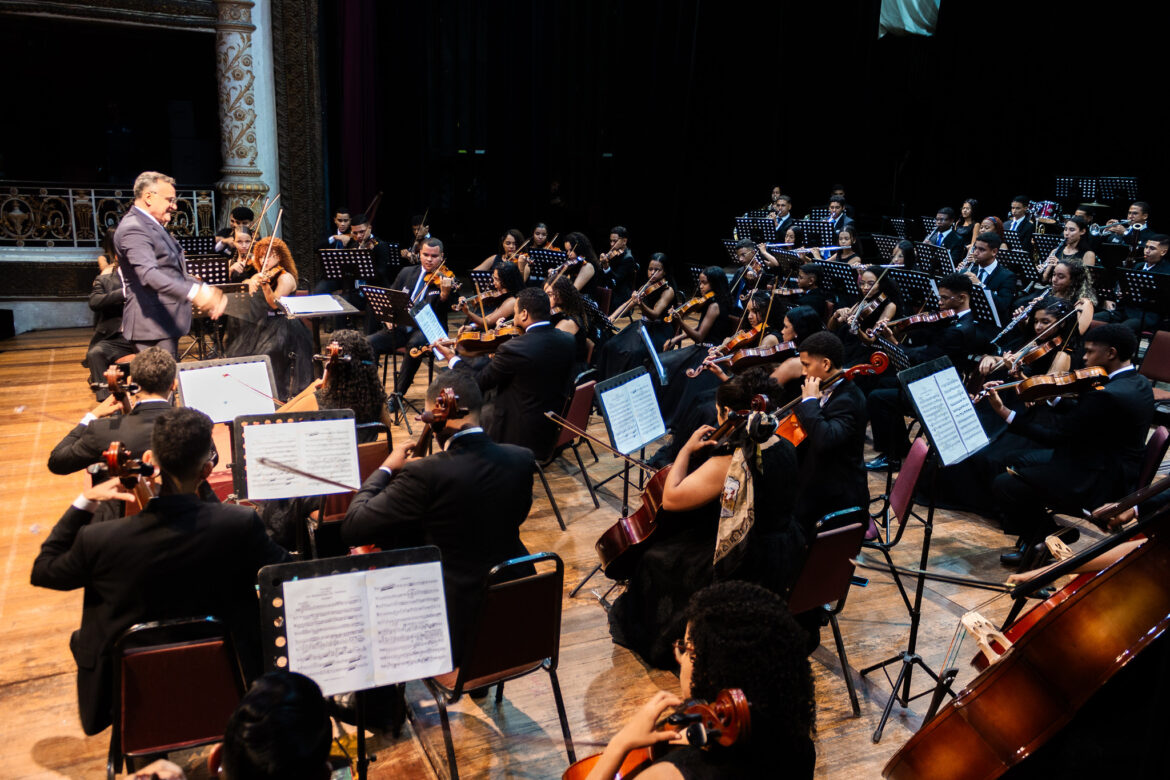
(721,723)
(927,318)
(475,342)
(137,477)
(435,419)
(1101,621)
(865,309)
(686,308)
(1045,386)
(789,425)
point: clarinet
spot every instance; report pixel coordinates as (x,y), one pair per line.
(1018,319)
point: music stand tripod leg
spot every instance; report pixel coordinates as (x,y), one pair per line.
(581,584)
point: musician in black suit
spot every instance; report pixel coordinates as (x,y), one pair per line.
(180,557)
(945,235)
(531,375)
(1154,261)
(1093,452)
(956,338)
(469,499)
(782,214)
(106,299)
(989,273)
(838,217)
(1019,221)
(437,293)
(1133,233)
(159,291)
(153,370)
(832,471)
(618,267)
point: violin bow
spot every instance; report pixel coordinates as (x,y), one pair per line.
(275,464)
(271,241)
(259,225)
(561,421)
(479,297)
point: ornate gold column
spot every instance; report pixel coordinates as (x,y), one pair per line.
(241,184)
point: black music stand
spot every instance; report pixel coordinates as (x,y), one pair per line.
(1147,291)
(395,309)
(840,279)
(886,245)
(347,265)
(917,287)
(729,245)
(696,271)
(820,213)
(629,407)
(418,626)
(954,432)
(816,233)
(755,228)
(541,263)
(1021,264)
(1118,188)
(1046,243)
(935,260)
(901,228)
(1015,241)
(927,225)
(483,279)
(197,245)
(983,306)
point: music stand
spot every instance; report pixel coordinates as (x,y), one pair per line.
(483,279)
(198,245)
(954,433)
(819,213)
(1046,243)
(1147,291)
(1119,188)
(755,228)
(901,229)
(927,225)
(816,233)
(729,245)
(937,260)
(696,271)
(347,265)
(541,262)
(840,279)
(629,407)
(226,388)
(315,307)
(401,636)
(1019,263)
(395,309)
(1015,241)
(916,286)
(886,245)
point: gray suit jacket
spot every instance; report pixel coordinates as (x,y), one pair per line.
(156,277)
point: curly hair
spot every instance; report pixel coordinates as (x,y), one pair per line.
(354,383)
(736,394)
(1079,285)
(281,729)
(280,249)
(569,301)
(744,637)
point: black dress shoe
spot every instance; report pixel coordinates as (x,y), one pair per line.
(882,462)
(1016,556)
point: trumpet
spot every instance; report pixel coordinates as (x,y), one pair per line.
(1097,230)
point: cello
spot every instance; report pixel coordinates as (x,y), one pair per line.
(137,476)
(1101,623)
(708,725)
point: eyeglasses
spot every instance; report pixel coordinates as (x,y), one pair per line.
(170,200)
(682,647)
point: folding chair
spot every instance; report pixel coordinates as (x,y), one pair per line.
(580,407)
(900,504)
(825,579)
(1156,448)
(1156,364)
(176,683)
(516,632)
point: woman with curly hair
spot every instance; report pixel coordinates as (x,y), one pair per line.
(738,635)
(585,273)
(354,383)
(730,517)
(257,325)
(569,315)
(498,303)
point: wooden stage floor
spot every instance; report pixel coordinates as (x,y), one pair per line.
(42,395)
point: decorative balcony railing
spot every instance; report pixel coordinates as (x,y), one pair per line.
(47,215)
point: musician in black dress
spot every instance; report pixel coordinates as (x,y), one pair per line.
(496,304)
(710,535)
(713,327)
(585,274)
(626,350)
(850,323)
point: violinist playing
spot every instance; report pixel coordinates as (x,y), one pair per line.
(808,291)
(880,300)
(507,252)
(258,325)
(1091,454)
(728,517)
(737,635)
(626,349)
(1016,362)
(488,307)
(429,282)
(617,264)
(568,314)
(583,270)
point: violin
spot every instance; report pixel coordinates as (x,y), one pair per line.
(1045,386)
(686,308)
(435,419)
(724,722)
(865,309)
(755,356)
(913,320)
(474,301)
(137,477)
(475,342)
(734,343)
(647,289)
(789,425)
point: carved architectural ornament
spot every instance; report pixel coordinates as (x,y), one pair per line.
(241,184)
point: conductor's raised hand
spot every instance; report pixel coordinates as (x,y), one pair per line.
(211,300)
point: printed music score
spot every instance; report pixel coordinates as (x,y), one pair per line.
(327,448)
(631,413)
(948,415)
(224,391)
(309,304)
(360,630)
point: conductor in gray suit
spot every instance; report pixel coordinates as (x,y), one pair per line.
(159,291)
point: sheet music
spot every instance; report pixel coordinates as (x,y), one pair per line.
(310,304)
(430,325)
(225,392)
(359,630)
(948,415)
(633,415)
(327,448)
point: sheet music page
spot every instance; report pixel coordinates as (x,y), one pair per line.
(430,325)
(408,613)
(309,304)
(225,392)
(633,414)
(327,448)
(622,423)
(329,632)
(948,415)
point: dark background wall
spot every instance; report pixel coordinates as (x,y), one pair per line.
(671,117)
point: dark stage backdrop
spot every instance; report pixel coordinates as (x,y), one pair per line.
(671,117)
